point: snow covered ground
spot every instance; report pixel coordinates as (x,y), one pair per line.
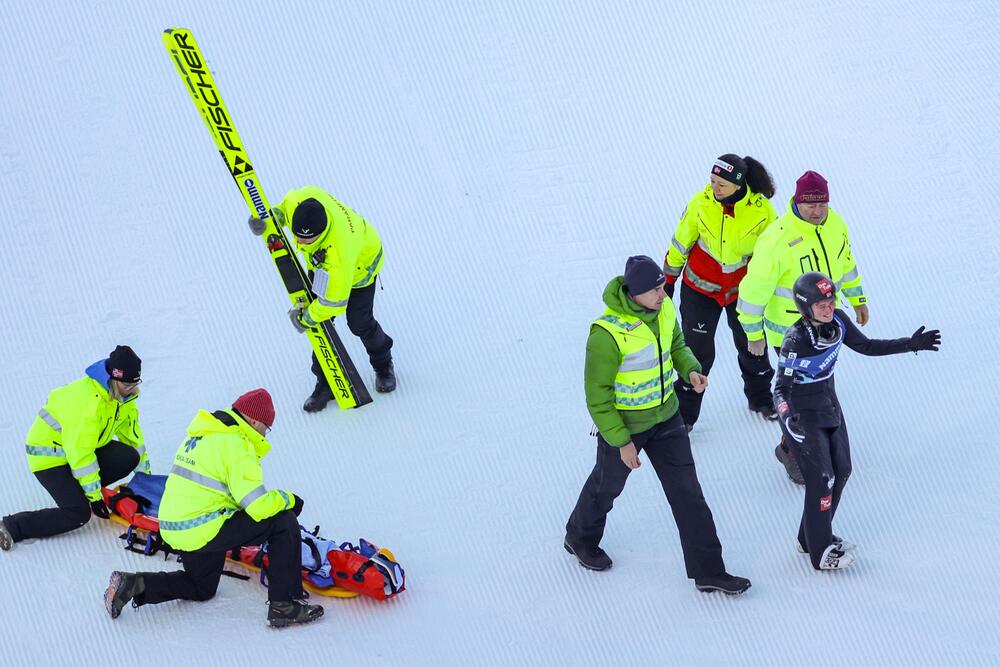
(512,155)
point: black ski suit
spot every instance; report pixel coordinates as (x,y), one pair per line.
(811,419)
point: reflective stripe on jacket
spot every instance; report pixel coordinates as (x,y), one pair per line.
(77,420)
(789,248)
(347,255)
(645,371)
(714,245)
(216,473)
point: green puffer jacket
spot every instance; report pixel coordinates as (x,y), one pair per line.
(601,367)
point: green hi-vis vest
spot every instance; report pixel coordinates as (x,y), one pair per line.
(646,374)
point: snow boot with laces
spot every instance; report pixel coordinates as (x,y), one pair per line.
(292,612)
(122,589)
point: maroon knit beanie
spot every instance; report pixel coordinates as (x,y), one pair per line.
(257,405)
(811,188)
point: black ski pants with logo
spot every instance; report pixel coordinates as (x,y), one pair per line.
(115,460)
(825,459)
(699,319)
(362,323)
(668,449)
(203,567)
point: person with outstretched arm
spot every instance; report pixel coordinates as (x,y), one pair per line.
(812,421)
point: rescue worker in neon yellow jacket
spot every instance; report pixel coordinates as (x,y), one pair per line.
(344,255)
(215,500)
(86,436)
(810,236)
(708,255)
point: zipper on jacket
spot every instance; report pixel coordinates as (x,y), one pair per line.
(829,273)
(110,423)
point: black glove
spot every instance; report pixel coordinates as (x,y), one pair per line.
(925,340)
(256,225)
(297,507)
(100,509)
(668,287)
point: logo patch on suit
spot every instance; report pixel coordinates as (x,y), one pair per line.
(825,502)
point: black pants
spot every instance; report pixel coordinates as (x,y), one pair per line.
(669,451)
(699,320)
(362,323)
(203,568)
(825,459)
(116,460)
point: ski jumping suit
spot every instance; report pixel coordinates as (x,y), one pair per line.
(629,375)
(818,438)
(711,246)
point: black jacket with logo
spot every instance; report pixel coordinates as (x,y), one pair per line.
(806,362)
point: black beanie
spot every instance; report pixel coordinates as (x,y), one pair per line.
(730,167)
(642,274)
(309,219)
(123,364)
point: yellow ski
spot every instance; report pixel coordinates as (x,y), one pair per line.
(348,387)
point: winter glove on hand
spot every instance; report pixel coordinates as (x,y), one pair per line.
(925,340)
(297,316)
(256,225)
(297,507)
(668,287)
(100,509)
(792,428)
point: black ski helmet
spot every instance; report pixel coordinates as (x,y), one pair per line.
(811,288)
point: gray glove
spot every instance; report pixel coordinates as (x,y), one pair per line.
(296,316)
(256,225)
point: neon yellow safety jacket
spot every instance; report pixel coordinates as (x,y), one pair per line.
(788,248)
(77,420)
(727,236)
(629,367)
(347,255)
(216,473)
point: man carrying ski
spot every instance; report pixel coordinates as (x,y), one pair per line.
(214,501)
(87,435)
(805,399)
(629,377)
(344,255)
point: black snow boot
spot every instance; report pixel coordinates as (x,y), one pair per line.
(791,465)
(725,583)
(122,589)
(282,614)
(592,558)
(385,379)
(321,395)
(6,539)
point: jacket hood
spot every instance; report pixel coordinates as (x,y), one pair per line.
(98,372)
(617,300)
(205,423)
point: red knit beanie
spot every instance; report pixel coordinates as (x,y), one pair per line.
(811,188)
(257,405)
